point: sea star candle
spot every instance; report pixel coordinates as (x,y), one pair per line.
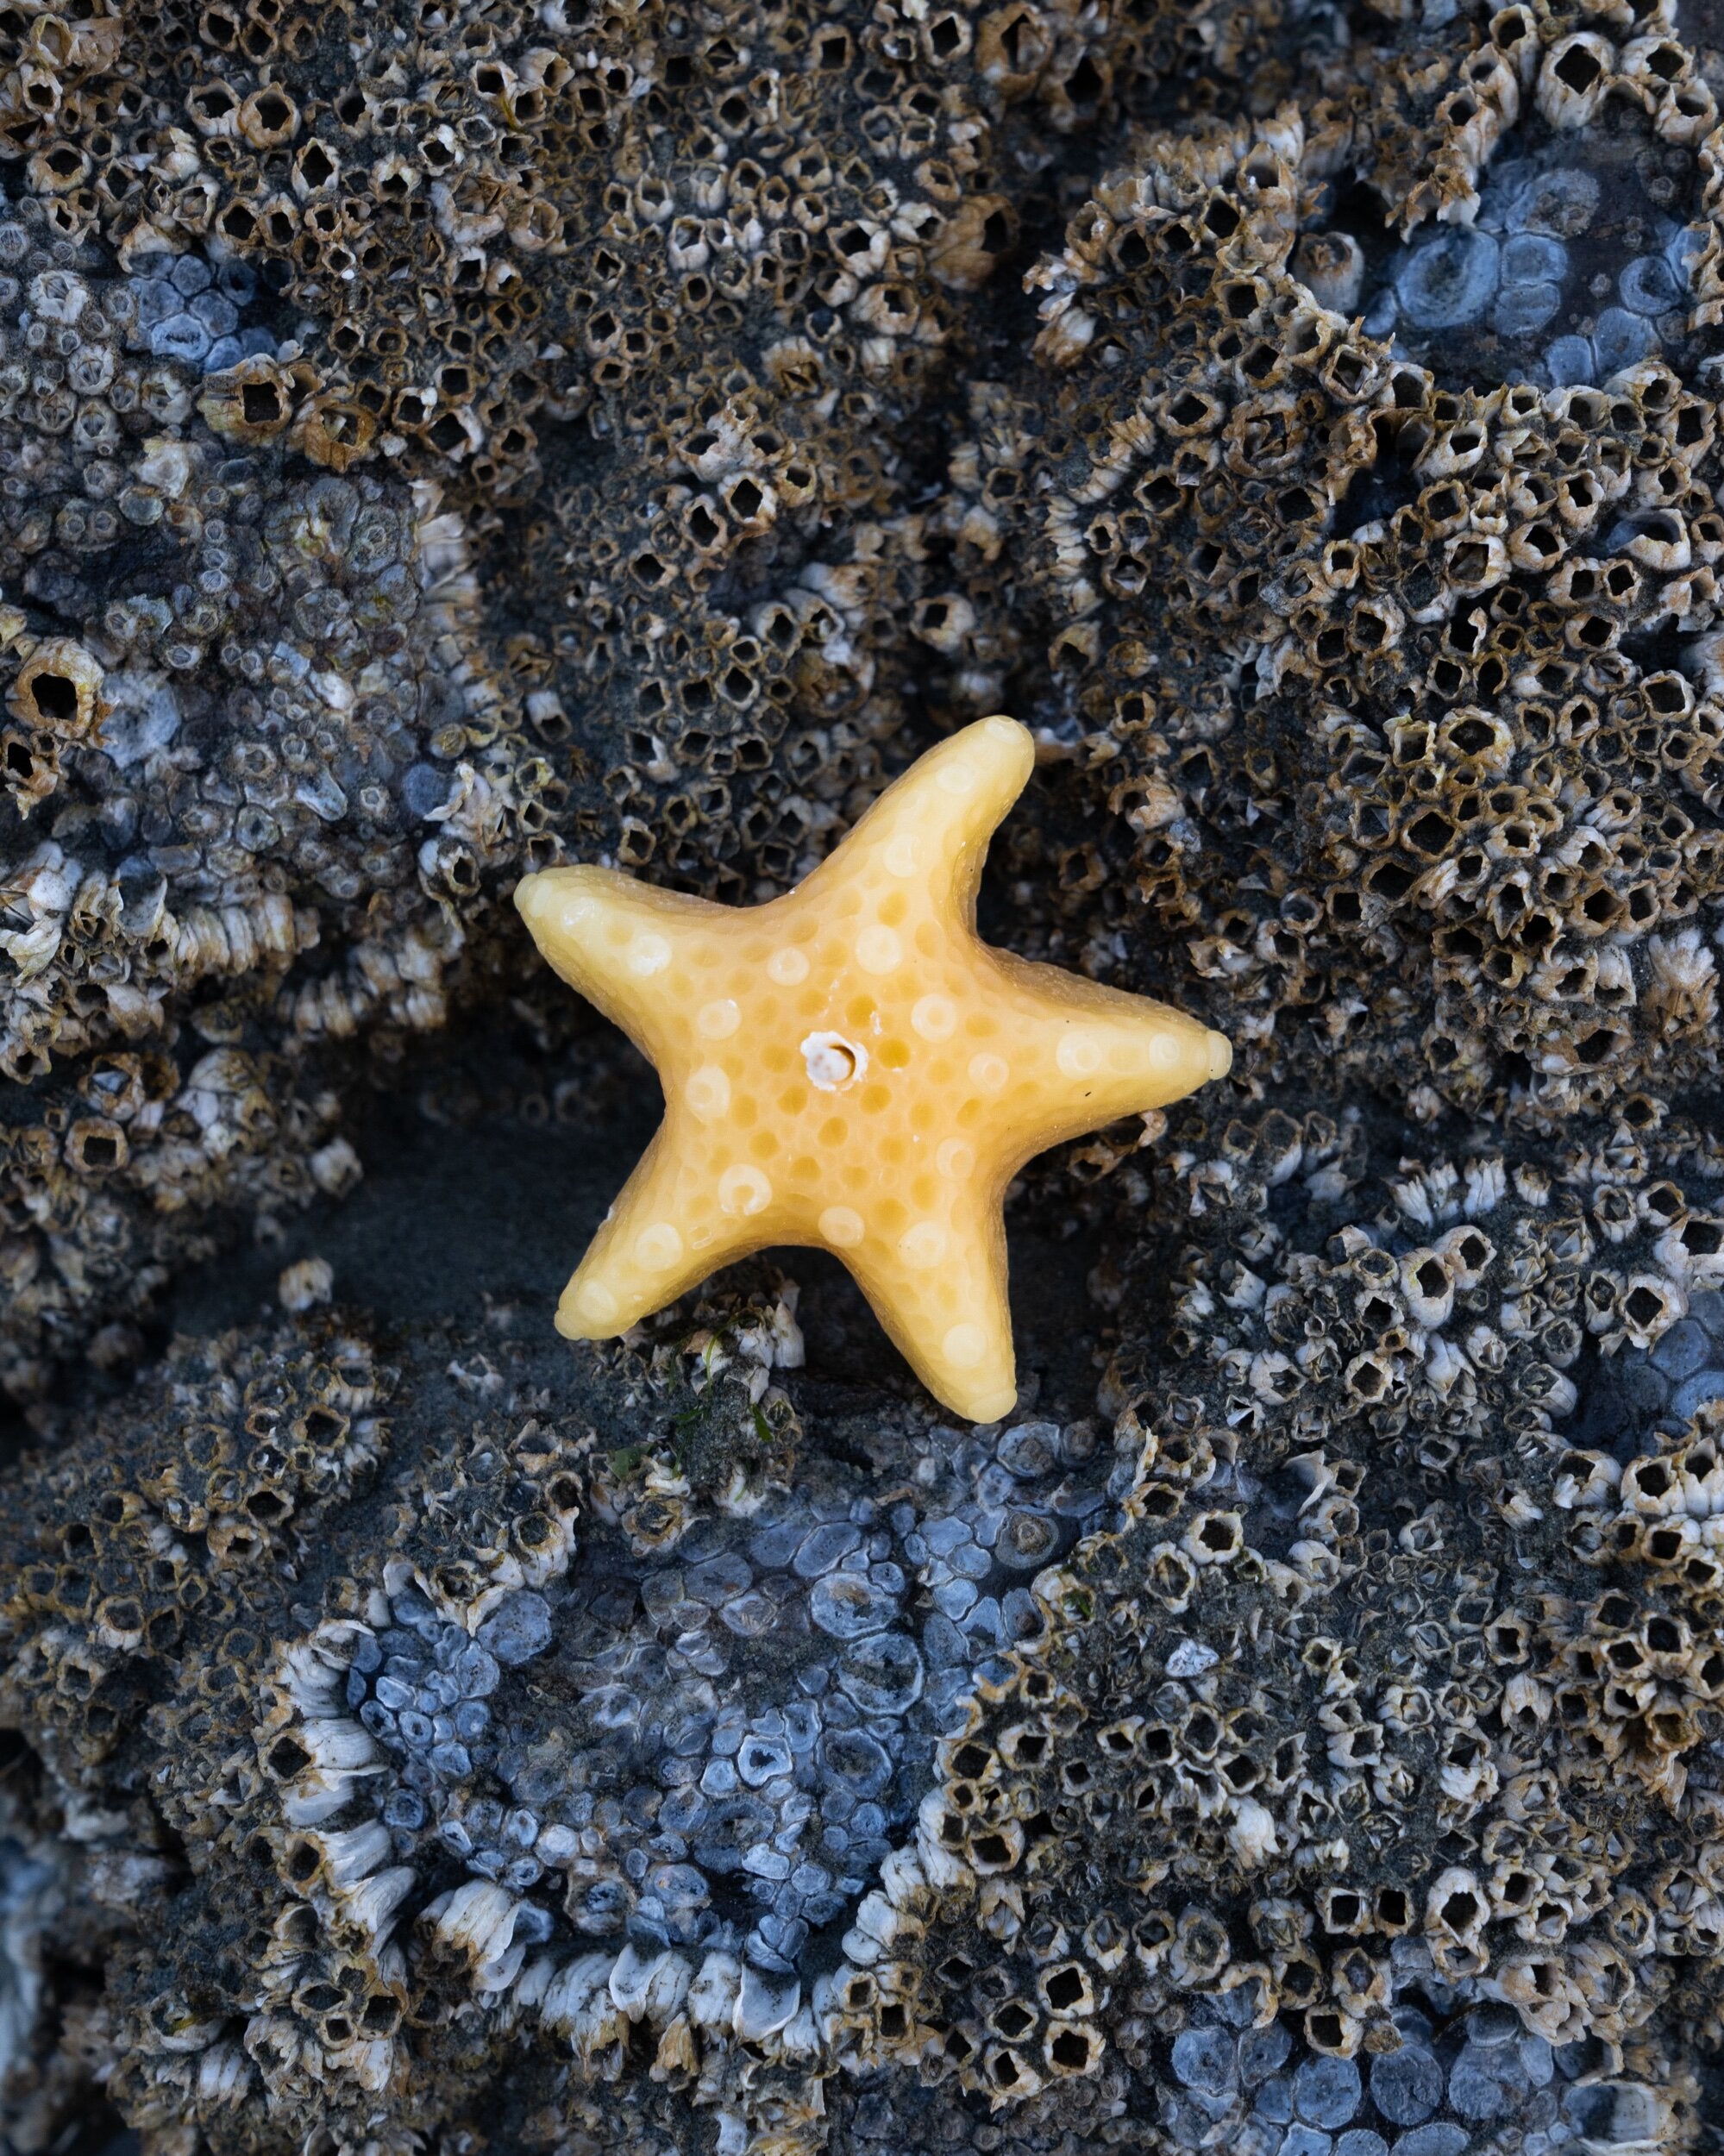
(850,1067)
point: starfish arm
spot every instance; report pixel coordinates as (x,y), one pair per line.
(937,1285)
(623,944)
(1085,1055)
(665,1234)
(930,828)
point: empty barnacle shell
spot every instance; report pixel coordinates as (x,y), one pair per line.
(253,401)
(58,690)
(332,430)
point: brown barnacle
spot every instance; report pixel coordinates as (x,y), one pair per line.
(1586,1481)
(1429,1287)
(255,400)
(95,1146)
(58,691)
(268,118)
(1650,1304)
(334,430)
(1692,1248)
(29,765)
(1457,1910)
(970,244)
(1213,1537)
(996,1846)
(1651,65)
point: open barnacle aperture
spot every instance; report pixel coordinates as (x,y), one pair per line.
(850,1067)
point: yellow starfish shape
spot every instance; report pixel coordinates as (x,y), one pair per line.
(850,1067)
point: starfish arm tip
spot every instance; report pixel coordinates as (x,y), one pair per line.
(1011,745)
(532,899)
(1000,726)
(989,1403)
(589,1310)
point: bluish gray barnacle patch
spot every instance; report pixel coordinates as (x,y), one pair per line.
(858,1760)
(415,1728)
(1263,2052)
(1570,359)
(181,336)
(1533,258)
(1449,280)
(190,310)
(1684,1349)
(1562,202)
(1326,2091)
(1537,288)
(1620,338)
(1685,248)
(1439,2137)
(823,1549)
(1406,2085)
(1486,2082)
(719,1578)
(217,312)
(423,787)
(1649,285)
(1694,1392)
(847,1607)
(883,1674)
(1275,2102)
(1204,2060)
(517,1629)
(404,1810)
(1521,308)
(761,1758)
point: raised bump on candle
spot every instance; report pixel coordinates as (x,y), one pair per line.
(935,1018)
(878,951)
(708,1092)
(955,1159)
(849,1066)
(595,1300)
(743,1190)
(658,1247)
(965,1346)
(842,1226)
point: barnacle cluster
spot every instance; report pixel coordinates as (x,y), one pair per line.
(1362,661)
(231,765)
(1353,1748)
(440,441)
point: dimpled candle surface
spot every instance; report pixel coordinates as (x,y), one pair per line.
(849,1067)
